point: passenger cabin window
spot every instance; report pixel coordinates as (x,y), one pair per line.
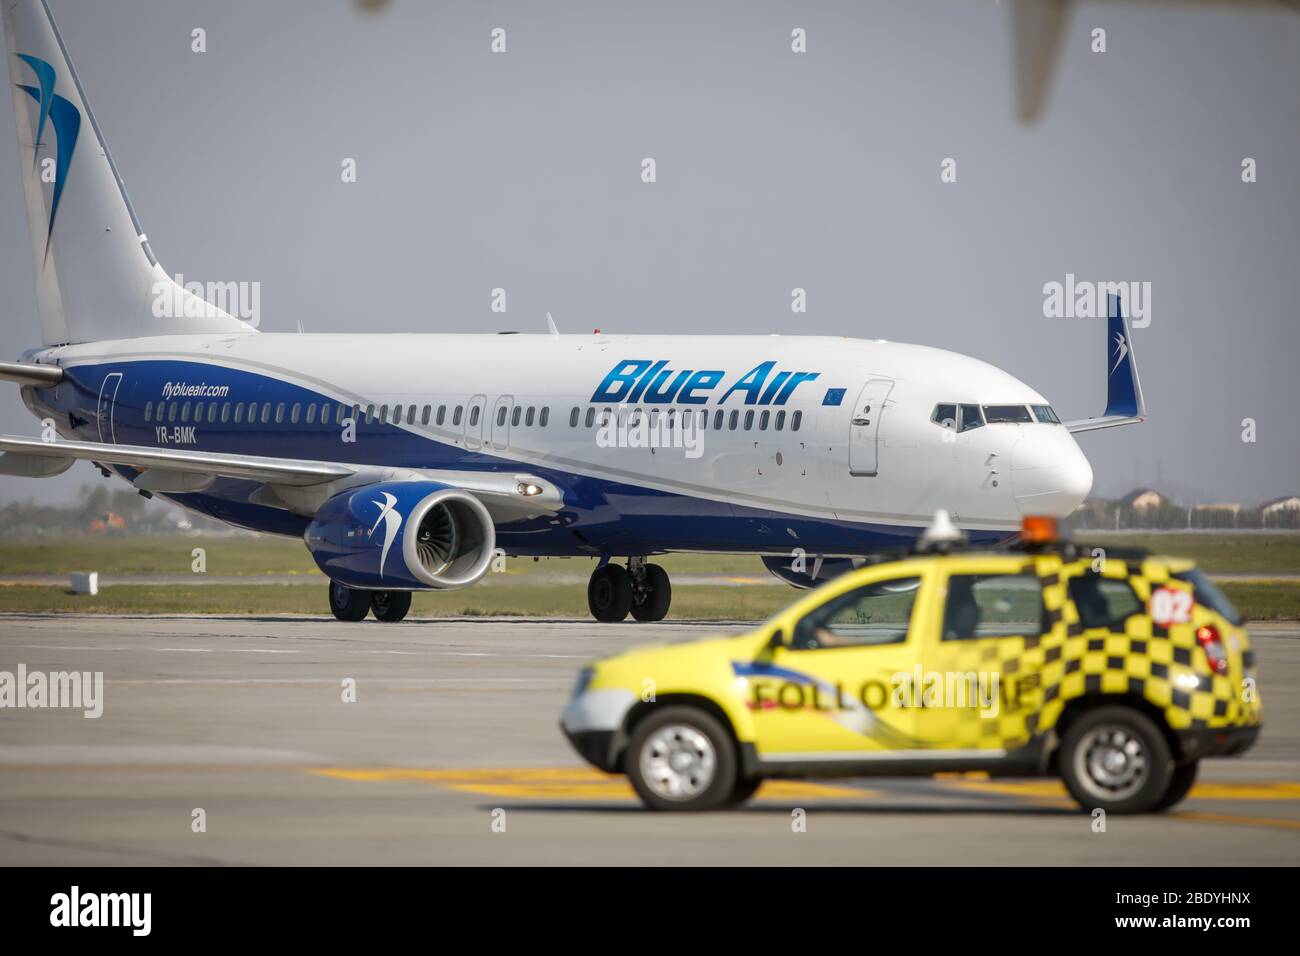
(528,419)
(1103,602)
(148,411)
(295,413)
(945,415)
(780,421)
(442,415)
(968,417)
(1006,414)
(473,415)
(425,413)
(591,416)
(1045,414)
(545,416)
(455,417)
(514,416)
(993,605)
(874,614)
(795,421)
(573,417)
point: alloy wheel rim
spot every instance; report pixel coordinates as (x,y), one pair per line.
(1112,762)
(678,762)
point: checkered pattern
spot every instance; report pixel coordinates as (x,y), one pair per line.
(1041,674)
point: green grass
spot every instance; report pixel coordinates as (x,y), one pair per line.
(513,593)
(703,602)
(1274,601)
(1266,602)
(265,554)
(1214,552)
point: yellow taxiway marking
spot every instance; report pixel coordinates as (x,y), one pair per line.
(1217,790)
(576,783)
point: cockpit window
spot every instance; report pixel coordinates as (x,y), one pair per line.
(1045,413)
(1015,414)
(945,415)
(970,418)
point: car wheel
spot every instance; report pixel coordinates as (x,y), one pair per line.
(681,758)
(390,605)
(658,595)
(348,604)
(1115,759)
(1179,784)
(609,593)
(742,791)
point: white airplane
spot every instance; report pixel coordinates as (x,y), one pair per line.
(406,461)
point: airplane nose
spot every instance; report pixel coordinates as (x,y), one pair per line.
(1049,473)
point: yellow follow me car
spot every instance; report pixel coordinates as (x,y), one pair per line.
(1116,670)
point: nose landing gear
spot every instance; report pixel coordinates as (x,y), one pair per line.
(642,590)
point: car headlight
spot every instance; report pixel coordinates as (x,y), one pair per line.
(585,677)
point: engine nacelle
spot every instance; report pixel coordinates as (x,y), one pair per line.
(816,570)
(403,535)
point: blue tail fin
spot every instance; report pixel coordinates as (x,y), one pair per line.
(1123,391)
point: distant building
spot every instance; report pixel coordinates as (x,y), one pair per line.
(1279,505)
(1144,499)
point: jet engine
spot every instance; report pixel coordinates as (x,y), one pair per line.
(403,535)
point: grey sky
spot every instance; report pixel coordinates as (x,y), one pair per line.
(775,170)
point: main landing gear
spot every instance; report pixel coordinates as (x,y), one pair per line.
(640,589)
(353,604)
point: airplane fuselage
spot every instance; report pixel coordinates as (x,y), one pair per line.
(758,444)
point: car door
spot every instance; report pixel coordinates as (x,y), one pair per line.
(983,657)
(826,694)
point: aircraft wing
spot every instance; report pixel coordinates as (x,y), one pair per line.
(295,484)
(1124,402)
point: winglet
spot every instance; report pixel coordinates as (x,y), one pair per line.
(1124,402)
(550,324)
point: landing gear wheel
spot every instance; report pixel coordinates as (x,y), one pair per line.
(348,604)
(1115,759)
(656,595)
(609,593)
(1179,784)
(681,758)
(390,605)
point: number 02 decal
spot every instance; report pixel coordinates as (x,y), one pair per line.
(1171,606)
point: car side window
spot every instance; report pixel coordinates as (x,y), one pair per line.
(877,613)
(1103,602)
(993,605)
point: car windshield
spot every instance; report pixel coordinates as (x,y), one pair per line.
(993,414)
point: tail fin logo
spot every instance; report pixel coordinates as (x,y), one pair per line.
(1121,350)
(64,117)
(392,521)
